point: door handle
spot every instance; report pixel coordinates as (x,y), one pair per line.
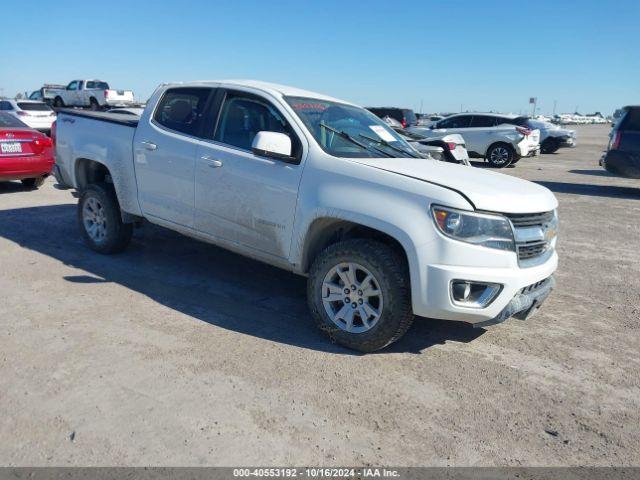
(68,120)
(149,145)
(211,162)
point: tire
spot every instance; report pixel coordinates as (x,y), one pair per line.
(550,145)
(389,273)
(100,221)
(33,182)
(58,103)
(93,104)
(500,155)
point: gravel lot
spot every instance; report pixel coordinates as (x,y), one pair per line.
(179,353)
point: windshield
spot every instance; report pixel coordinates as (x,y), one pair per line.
(347,131)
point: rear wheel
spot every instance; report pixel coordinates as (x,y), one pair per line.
(500,155)
(100,220)
(33,182)
(359,294)
(58,102)
(94,105)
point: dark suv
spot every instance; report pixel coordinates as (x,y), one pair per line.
(623,154)
(405,116)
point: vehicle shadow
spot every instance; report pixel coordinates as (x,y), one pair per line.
(202,281)
(13,187)
(609,191)
(483,164)
(596,173)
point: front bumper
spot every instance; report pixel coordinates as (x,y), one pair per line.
(438,264)
(625,164)
(524,304)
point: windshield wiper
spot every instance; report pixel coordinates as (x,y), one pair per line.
(346,136)
(387,144)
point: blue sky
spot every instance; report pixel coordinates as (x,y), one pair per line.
(478,55)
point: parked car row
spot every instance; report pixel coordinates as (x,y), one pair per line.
(500,139)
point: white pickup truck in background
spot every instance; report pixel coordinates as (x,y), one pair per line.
(94,94)
(320,187)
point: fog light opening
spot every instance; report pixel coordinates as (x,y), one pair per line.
(466,293)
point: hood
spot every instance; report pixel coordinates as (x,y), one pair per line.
(490,191)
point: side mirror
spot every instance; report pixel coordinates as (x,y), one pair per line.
(432,126)
(273,145)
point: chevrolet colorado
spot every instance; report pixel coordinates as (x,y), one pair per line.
(320,187)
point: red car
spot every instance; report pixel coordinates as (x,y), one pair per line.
(25,154)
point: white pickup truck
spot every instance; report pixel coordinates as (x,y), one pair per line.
(320,187)
(94,94)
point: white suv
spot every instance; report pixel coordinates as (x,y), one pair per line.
(499,139)
(37,115)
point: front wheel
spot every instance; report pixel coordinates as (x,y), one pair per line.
(100,220)
(500,155)
(359,294)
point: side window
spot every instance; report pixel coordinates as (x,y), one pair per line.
(73,85)
(483,121)
(182,109)
(461,121)
(91,84)
(242,116)
(4,105)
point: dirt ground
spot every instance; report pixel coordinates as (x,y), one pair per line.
(179,353)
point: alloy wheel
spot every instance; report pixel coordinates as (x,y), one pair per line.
(352,297)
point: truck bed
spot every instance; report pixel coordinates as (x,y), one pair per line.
(106,138)
(126,120)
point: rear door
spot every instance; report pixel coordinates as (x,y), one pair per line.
(481,133)
(165,147)
(242,197)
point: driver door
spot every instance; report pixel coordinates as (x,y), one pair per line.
(242,197)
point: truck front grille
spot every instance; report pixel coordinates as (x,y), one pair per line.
(526,223)
(521,220)
(531,249)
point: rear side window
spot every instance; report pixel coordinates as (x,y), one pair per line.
(463,121)
(35,107)
(99,85)
(480,121)
(182,109)
(9,121)
(631,120)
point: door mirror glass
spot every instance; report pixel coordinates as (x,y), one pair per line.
(273,145)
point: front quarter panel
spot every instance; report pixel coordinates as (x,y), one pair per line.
(393,204)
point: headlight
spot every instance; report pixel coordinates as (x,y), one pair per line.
(491,231)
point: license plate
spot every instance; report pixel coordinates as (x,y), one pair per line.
(14,147)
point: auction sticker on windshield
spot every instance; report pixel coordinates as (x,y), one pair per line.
(382,133)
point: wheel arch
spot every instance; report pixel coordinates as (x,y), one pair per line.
(88,171)
(326,231)
(500,142)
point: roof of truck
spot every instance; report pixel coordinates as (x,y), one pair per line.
(272,88)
